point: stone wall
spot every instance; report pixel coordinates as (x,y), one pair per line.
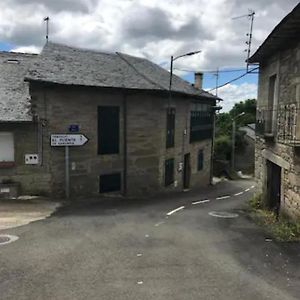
(34,179)
(286,66)
(144,114)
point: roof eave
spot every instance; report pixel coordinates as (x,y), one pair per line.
(198,96)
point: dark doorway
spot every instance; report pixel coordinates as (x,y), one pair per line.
(110,183)
(273,186)
(187,171)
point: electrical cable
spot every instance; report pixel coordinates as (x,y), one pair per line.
(232,80)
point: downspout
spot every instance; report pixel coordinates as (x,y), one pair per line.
(212,149)
(125,144)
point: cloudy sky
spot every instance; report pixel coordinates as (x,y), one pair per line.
(154,29)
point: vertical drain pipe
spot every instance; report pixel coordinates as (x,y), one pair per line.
(125,144)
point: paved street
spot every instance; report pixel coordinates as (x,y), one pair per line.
(169,248)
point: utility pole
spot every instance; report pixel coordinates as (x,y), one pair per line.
(251,16)
(47,19)
(217,81)
(233,139)
(233,144)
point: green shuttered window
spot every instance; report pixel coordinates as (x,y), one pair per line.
(200,160)
(108,129)
(201,126)
(170,138)
(169,171)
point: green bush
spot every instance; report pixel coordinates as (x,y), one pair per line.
(282,229)
(222,147)
(256,202)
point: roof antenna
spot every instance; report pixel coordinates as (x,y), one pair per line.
(250,15)
(46,19)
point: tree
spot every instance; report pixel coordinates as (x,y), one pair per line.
(224,128)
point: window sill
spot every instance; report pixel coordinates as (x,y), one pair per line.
(7,164)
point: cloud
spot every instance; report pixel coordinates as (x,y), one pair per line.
(27,49)
(154,29)
(55,5)
(150,28)
(233,93)
(146,24)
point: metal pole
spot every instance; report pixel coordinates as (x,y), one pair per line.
(47,28)
(233,144)
(170,84)
(217,81)
(250,38)
(67,175)
(211,174)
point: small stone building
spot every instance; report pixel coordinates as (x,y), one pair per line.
(278,120)
(142,140)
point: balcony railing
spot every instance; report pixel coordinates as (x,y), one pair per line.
(281,124)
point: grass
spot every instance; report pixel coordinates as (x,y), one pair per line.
(282,229)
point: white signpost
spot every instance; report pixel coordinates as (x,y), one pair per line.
(67,140)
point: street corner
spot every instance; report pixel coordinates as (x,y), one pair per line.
(24,210)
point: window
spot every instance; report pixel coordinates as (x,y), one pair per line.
(201,123)
(7,148)
(110,183)
(200,160)
(108,129)
(271,118)
(169,171)
(170,139)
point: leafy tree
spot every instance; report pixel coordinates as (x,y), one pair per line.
(224,128)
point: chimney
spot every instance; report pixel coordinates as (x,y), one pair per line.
(198,80)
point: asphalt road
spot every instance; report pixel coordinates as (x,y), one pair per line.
(121,249)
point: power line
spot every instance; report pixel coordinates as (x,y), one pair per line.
(232,80)
(213,71)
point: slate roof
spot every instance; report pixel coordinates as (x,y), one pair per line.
(283,36)
(14,92)
(62,64)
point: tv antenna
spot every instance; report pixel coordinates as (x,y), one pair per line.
(250,16)
(47,19)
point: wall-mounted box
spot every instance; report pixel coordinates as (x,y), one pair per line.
(31,159)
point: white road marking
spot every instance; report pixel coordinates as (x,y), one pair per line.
(247,190)
(175,210)
(222,197)
(8,239)
(159,223)
(146,235)
(223,214)
(240,193)
(139,254)
(252,187)
(200,202)
(140,282)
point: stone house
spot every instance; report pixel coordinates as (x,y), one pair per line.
(278,121)
(141,141)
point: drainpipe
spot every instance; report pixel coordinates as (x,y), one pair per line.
(214,109)
(211,175)
(125,145)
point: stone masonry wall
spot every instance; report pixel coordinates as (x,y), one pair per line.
(56,107)
(286,66)
(34,179)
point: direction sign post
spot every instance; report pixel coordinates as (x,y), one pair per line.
(67,140)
